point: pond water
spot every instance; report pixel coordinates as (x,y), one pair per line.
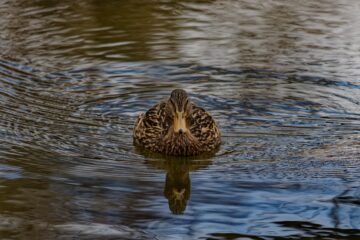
(281,78)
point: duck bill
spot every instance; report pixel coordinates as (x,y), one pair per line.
(180,123)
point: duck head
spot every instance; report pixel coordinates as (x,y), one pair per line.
(179,140)
(179,111)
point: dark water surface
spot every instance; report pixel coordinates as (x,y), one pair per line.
(282,79)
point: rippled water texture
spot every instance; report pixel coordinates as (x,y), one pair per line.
(281,78)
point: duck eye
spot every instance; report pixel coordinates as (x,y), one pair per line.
(186,104)
(172,103)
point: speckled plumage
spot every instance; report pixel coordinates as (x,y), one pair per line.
(153,130)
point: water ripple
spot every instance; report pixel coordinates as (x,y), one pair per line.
(280,78)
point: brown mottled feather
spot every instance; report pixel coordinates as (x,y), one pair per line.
(204,128)
(150,128)
(151,131)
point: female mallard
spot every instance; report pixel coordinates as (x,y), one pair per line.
(176,127)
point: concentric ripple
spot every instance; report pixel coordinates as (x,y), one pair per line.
(281,79)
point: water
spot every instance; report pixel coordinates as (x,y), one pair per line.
(281,78)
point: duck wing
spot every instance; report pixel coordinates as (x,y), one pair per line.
(204,128)
(150,127)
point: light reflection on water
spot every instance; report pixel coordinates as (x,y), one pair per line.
(281,78)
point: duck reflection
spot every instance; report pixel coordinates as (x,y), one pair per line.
(177,182)
(177,187)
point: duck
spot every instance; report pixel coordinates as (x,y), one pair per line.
(176,127)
